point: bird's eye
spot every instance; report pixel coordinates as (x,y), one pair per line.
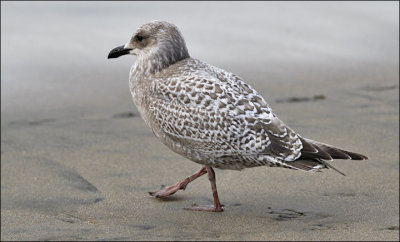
(139,37)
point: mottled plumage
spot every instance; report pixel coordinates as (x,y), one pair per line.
(209,115)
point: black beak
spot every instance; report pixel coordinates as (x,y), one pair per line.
(117,52)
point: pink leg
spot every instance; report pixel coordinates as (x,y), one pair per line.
(218,207)
(167,191)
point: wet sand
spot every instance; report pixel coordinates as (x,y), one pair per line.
(77,162)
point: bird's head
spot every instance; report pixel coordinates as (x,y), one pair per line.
(156,40)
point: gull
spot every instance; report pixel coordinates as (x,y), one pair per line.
(209,115)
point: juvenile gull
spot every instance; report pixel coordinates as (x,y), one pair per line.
(209,115)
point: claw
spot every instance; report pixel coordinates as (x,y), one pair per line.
(153,194)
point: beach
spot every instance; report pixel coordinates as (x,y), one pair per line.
(77,160)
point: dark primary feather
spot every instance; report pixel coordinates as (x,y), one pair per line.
(319,154)
(326,152)
(307,147)
(314,154)
(336,153)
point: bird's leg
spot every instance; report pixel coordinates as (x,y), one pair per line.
(167,191)
(218,207)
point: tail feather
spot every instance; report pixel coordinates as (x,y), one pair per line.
(331,166)
(312,165)
(306,164)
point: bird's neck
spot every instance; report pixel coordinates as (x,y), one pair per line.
(151,62)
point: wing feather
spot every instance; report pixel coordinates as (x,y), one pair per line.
(215,112)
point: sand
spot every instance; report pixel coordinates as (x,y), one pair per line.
(77,162)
